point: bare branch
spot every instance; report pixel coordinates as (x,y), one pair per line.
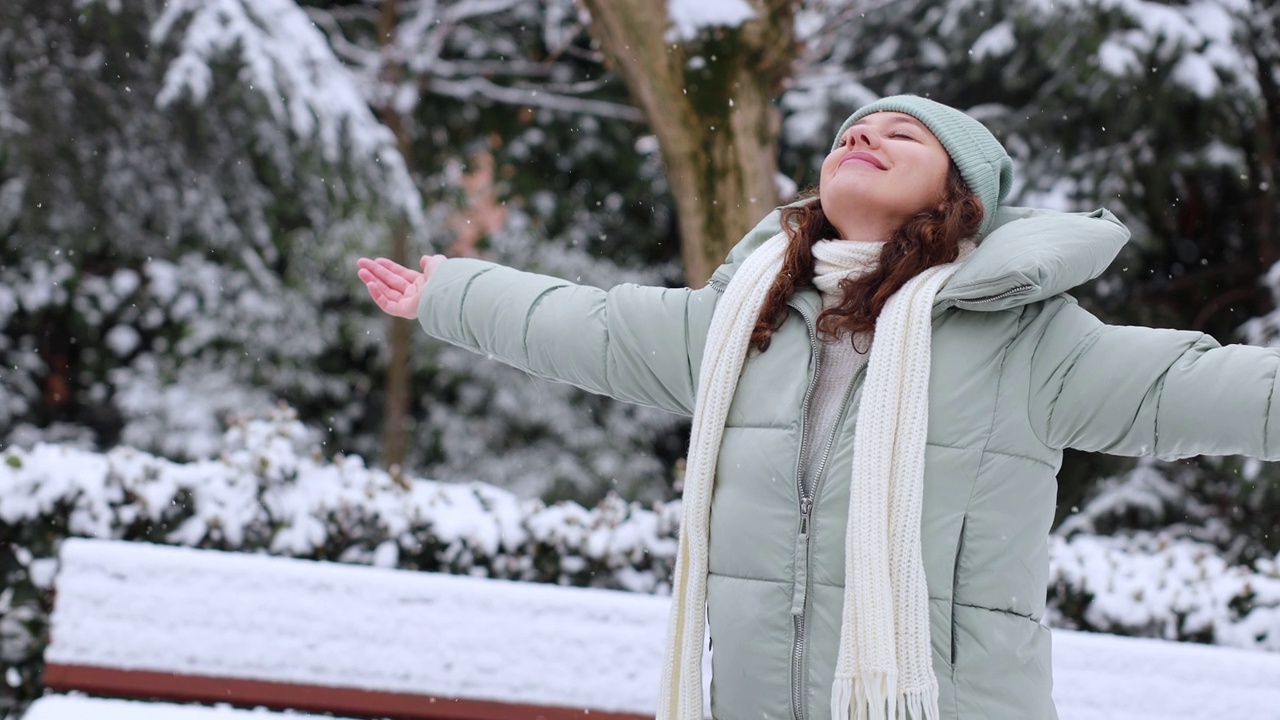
(581,87)
(348,51)
(836,17)
(490,68)
(475,8)
(475,87)
(347,13)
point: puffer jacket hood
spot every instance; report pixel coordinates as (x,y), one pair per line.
(1029,255)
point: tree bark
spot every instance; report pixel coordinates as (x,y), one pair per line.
(710,103)
(396,389)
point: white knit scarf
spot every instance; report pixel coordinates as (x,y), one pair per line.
(884,670)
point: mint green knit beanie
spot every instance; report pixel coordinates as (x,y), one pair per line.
(983,162)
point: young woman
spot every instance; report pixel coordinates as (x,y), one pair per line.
(882,380)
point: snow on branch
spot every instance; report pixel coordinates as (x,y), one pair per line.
(289,63)
(9,123)
(480,88)
(689,17)
(1199,38)
(421,38)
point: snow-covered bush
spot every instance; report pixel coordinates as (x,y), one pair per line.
(1153,585)
(270,490)
(1155,552)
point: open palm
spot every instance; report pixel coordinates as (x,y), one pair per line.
(395,288)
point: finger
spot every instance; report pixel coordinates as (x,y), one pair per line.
(388,273)
(407,275)
(367,264)
(372,282)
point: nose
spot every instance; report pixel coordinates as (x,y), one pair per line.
(866,136)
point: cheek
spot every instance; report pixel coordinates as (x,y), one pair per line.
(936,180)
(826,174)
(941,185)
(828,166)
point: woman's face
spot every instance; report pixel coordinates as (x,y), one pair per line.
(886,168)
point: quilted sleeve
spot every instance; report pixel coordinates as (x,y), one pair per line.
(1142,391)
(634,343)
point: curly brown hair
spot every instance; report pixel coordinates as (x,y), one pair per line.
(924,240)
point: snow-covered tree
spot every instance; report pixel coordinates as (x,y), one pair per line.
(706,75)
(526,146)
(185,189)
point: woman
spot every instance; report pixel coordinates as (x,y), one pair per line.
(858,345)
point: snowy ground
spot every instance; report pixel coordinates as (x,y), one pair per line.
(146,607)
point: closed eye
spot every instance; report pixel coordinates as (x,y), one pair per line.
(904,136)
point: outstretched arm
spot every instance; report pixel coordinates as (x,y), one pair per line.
(1143,391)
(633,343)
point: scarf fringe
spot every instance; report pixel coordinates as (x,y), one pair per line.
(879,698)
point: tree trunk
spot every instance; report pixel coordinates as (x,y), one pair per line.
(710,103)
(396,391)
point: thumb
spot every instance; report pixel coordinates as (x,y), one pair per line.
(422,262)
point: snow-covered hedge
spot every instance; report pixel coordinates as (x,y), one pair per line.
(271,491)
(1152,585)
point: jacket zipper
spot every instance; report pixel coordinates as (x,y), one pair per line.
(999,296)
(800,575)
(800,592)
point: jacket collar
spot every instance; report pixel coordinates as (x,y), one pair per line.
(1029,255)
(1032,255)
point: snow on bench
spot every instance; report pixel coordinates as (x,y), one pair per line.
(62,707)
(139,620)
(136,620)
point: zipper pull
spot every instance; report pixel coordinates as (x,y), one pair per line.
(806,506)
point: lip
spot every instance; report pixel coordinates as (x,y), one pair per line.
(863,157)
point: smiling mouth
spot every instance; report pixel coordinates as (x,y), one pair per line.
(864,158)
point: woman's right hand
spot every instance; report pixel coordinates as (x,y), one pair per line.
(395,288)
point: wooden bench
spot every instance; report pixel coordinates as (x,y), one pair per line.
(143,621)
(180,625)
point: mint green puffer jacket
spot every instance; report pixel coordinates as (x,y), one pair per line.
(1019,373)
